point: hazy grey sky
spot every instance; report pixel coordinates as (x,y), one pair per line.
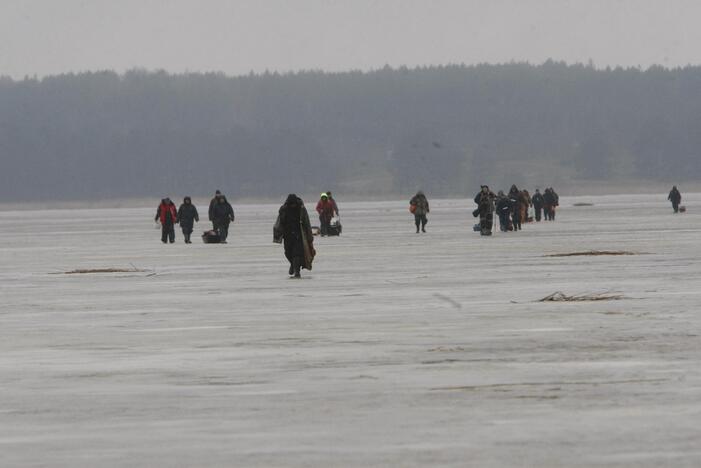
(237,36)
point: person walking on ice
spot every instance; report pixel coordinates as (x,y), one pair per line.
(333,202)
(485,210)
(516,204)
(212,203)
(676,198)
(326,210)
(503,208)
(168,216)
(538,203)
(187,216)
(222,216)
(294,229)
(419,206)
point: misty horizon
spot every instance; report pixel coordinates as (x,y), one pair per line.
(443,129)
(344,71)
(46,38)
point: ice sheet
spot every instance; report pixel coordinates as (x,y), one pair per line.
(397,350)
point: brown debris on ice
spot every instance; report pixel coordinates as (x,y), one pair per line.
(103,270)
(588,297)
(593,253)
(87,271)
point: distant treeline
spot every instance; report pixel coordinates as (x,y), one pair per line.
(441,129)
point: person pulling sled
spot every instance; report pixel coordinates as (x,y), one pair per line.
(223,215)
(326,209)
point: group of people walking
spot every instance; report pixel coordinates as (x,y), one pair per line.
(513,209)
(221,214)
(293,228)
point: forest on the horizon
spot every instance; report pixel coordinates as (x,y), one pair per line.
(443,129)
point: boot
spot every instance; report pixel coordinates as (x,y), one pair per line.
(292,269)
(297,267)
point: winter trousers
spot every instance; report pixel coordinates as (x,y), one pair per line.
(504,221)
(548,210)
(486,223)
(223,231)
(538,211)
(325,224)
(187,232)
(294,252)
(420,220)
(167,233)
(675,206)
(516,219)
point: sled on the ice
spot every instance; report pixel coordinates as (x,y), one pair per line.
(682,209)
(211,237)
(335,227)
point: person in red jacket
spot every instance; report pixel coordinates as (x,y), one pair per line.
(326,210)
(167,214)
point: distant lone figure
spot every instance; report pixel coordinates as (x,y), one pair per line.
(676,198)
(187,216)
(420,208)
(168,216)
(293,227)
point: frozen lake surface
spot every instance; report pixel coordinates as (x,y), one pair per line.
(397,350)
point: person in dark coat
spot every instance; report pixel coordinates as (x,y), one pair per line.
(485,209)
(326,210)
(187,216)
(333,202)
(516,204)
(549,205)
(503,208)
(167,215)
(676,198)
(212,203)
(293,227)
(537,200)
(420,208)
(223,215)
(556,202)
